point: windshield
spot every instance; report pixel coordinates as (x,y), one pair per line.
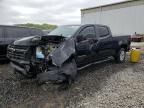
(66,31)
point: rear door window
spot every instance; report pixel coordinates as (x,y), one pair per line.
(103,31)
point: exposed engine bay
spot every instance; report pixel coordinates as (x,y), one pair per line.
(44,50)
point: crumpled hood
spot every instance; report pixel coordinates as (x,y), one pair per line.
(27,41)
(63,53)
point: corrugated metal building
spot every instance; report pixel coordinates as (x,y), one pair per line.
(124,17)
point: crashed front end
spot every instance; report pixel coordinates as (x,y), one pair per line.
(49,58)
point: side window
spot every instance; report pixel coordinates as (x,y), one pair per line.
(14,32)
(88,32)
(103,31)
(1,32)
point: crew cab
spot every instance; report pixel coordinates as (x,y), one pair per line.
(57,56)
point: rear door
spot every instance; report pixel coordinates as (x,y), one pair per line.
(104,45)
(83,47)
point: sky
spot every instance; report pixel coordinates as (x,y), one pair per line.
(59,12)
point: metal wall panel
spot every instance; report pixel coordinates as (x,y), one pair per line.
(127,20)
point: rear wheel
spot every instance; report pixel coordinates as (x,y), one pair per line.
(120,56)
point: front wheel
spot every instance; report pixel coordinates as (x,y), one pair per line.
(120,56)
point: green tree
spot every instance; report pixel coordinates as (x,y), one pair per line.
(38,26)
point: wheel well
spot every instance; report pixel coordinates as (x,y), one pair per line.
(70,58)
(124,46)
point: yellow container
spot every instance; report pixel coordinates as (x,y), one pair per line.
(135,55)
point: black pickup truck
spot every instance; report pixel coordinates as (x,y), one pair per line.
(57,56)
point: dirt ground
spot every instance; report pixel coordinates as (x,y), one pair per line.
(105,85)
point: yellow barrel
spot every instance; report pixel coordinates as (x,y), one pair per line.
(135,55)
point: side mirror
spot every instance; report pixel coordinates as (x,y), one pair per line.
(79,38)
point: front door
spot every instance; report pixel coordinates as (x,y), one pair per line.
(85,40)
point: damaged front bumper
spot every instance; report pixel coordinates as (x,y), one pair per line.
(53,76)
(67,71)
(21,66)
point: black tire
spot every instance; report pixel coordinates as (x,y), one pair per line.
(120,56)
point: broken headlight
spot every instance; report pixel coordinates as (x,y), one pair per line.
(39,53)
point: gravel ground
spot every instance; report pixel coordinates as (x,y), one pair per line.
(105,85)
(124,89)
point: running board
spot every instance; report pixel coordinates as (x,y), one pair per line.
(98,62)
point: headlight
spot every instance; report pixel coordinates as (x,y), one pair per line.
(39,53)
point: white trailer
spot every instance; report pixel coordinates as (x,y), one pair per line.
(123,18)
